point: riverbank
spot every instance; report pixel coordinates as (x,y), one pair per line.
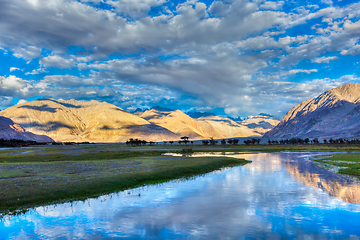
(345,163)
(43,176)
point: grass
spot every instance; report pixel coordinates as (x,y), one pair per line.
(35,176)
(45,176)
(345,163)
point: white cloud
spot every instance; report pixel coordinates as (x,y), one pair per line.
(21,101)
(27,53)
(5,102)
(216,54)
(36,71)
(295,71)
(272,5)
(354,50)
(13,86)
(325,59)
(12,69)
(135,8)
(57,61)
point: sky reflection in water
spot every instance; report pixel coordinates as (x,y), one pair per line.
(277,195)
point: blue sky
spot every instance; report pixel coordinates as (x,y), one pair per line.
(233,57)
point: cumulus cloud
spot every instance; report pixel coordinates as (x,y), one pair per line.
(237,55)
(13,86)
(57,61)
(27,53)
(272,5)
(354,50)
(5,102)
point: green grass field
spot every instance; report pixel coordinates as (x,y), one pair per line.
(37,176)
(58,174)
(346,163)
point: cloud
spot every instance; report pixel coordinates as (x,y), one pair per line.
(295,71)
(272,5)
(12,69)
(354,50)
(5,102)
(56,61)
(36,71)
(13,86)
(238,55)
(21,101)
(27,53)
(325,59)
(135,8)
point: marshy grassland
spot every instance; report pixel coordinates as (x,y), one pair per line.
(31,177)
(345,163)
(35,176)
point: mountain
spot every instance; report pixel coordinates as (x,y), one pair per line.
(200,128)
(11,130)
(333,114)
(222,127)
(261,123)
(177,122)
(83,121)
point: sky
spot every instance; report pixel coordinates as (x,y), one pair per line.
(230,57)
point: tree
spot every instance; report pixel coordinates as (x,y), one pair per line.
(230,141)
(235,141)
(184,139)
(223,142)
(171,142)
(212,141)
(205,142)
(165,142)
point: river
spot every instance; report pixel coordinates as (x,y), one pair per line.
(277,196)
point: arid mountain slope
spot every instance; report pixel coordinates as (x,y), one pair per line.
(200,128)
(261,123)
(11,130)
(83,121)
(335,113)
(177,122)
(222,127)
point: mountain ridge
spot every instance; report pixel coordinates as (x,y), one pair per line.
(334,113)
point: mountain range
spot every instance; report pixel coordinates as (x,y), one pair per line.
(333,114)
(94,121)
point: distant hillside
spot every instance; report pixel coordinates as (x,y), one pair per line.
(335,113)
(83,121)
(177,122)
(199,128)
(261,123)
(11,130)
(222,127)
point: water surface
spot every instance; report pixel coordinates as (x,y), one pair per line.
(278,195)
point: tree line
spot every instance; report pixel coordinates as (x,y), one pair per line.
(312,141)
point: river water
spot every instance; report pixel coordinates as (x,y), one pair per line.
(277,196)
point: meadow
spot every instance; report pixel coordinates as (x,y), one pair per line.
(35,176)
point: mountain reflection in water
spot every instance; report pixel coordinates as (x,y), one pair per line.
(313,176)
(268,198)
